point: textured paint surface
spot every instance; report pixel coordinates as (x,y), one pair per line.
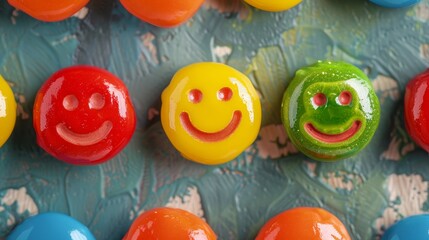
(367,192)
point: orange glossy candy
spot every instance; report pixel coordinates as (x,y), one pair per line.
(163,13)
(167,224)
(49,10)
(304,223)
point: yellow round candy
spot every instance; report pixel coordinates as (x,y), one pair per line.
(210,112)
(7,111)
(273,5)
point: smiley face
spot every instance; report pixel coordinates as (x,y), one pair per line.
(163,13)
(210,112)
(330,110)
(395,3)
(273,5)
(83,115)
(49,10)
(7,111)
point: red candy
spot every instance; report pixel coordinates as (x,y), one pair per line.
(83,115)
(416,109)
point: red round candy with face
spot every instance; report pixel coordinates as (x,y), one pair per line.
(83,115)
(416,109)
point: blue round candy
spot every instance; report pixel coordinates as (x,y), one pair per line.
(51,226)
(410,228)
(395,3)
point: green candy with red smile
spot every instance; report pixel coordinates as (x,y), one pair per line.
(330,110)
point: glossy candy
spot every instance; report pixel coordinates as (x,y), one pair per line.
(51,226)
(169,223)
(210,112)
(163,13)
(304,223)
(330,110)
(416,109)
(395,3)
(273,5)
(49,10)
(410,228)
(7,111)
(83,115)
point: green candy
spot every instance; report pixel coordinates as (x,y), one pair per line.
(330,110)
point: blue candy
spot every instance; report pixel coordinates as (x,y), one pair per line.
(51,226)
(410,228)
(395,3)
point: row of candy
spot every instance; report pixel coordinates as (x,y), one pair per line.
(211,112)
(307,223)
(161,13)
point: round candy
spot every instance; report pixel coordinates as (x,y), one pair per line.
(83,115)
(210,112)
(163,13)
(169,223)
(416,109)
(49,10)
(395,3)
(7,111)
(330,110)
(273,5)
(51,226)
(414,227)
(304,223)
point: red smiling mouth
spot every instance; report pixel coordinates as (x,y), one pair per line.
(84,139)
(333,138)
(210,137)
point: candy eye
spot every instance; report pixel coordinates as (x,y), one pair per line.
(96,101)
(70,102)
(224,94)
(195,96)
(319,99)
(345,98)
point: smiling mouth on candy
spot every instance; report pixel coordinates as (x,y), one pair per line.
(214,136)
(333,138)
(86,139)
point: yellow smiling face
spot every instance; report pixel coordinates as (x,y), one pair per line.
(7,111)
(210,112)
(273,5)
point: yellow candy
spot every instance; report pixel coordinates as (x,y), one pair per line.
(210,112)
(273,5)
(7,111)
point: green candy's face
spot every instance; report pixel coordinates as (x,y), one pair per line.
(330,110)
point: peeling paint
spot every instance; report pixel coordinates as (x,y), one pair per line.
(16,202)
(81,14)
(342,180)
(274,143)
(388,88)
(191,202)
(149,49)
(407,195)
(424,51)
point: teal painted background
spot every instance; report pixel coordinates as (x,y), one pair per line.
(368,192)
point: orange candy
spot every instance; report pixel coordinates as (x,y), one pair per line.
(169,223)
(304,223)
(49,10)
(163,13)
